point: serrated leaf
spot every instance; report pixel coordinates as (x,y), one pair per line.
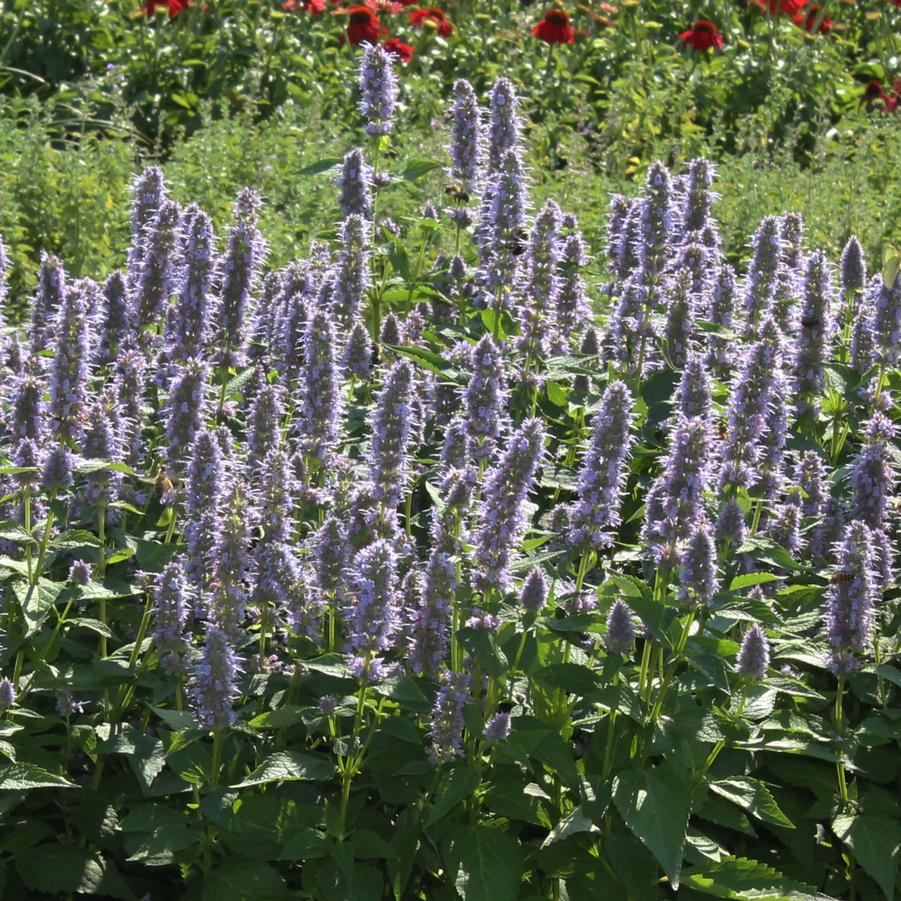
(485,864)
(456,784)
(740,879)
(875,842)
(240,880)
(753,796)
(289,766)
(19,776)
(655,805)
(748,580)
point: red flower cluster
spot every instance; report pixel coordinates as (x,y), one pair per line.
(174,7)
(703,36)
(808,20)
(554,28)
(364,26)
(874,92)
(432,17)
(774,7)
(314,7)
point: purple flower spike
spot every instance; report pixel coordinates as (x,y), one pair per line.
(392,436)
(355,183)
(498,727)
(753,655)
(620,630)
(185,412)
(237,275)
(850,599)
(379,87)
(321,409)
(504,123)
(697,575)
(372,609)
(170,617)
(213,687)
(69,368)
(502,519)
(603,474)
(466,137)
(533,596)
(484,398)
(446,732)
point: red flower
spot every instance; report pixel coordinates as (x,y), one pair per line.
(774,7)
(385,6)
(364,26)
(404,52)
(808,19)
(433,17)
(702,36)
(174,7)
(554,28)
(315,7)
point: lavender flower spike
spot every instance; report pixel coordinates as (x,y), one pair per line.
(504,124)
(355,183)
(321,414)
(697,576)
(484,398)
(205,486)
(603,475)
(753,655)
(533,596)
(620,631)
(447,718)
(193,319)
(379,86)
(817,328)
(851,598)
(184,413)
(853,269)
(501,519)
(392,433)
(372,612)
(158,277)
(213,687)
(498,727)
(170,616)
(237,275)
(230,566)
(466,137)
(69,372)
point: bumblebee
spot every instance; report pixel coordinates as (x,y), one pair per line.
(504,706)
(457,192)
(163,485)
(841,577)
(810,323)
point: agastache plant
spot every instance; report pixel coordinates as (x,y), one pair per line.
(501,517)
(213,686)
(69,368)
(503,124)
(484,399)
(355,186)
(159,274)
(378,85)
(321,408)
(392,432)
(372,608)
(170,617)
(602,478)
(466,137)
(184,412)
(47,300)
(817,325)
(850,600)
(237,274)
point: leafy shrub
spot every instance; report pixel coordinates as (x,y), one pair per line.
(392,572)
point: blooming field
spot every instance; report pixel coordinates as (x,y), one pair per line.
(426,567)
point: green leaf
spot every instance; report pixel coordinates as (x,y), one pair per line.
(320,166)
(37,602)
(485,864)
(244,881)
(875,841)
(417,168)
(456,784)
(748,580)
(557,394)
(739,879)
(289,766)
(655,805)
(19,776)
(61,870)
(753,796)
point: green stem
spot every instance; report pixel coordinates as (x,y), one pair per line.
(216,763)
(840,729)
(671,669)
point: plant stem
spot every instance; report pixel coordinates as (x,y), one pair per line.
(840,728)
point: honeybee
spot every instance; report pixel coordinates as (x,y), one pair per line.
(163,485)
(841,577)
(457,192)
